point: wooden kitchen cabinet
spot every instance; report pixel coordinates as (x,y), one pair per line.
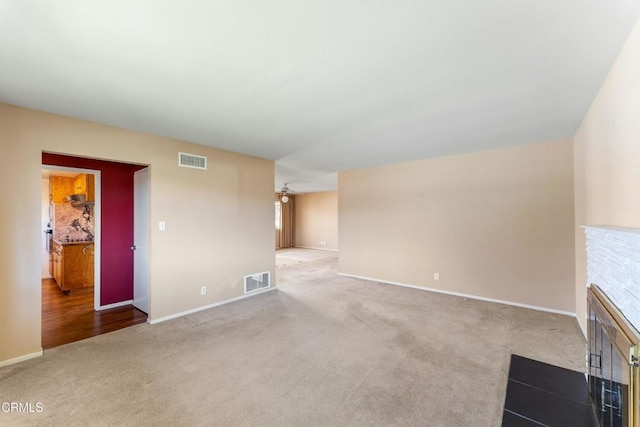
(73,265)
(60,187)
(85,184)
(57,269)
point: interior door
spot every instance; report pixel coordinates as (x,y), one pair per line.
(141,240)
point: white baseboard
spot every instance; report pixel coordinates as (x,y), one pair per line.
(206,307)
(21,358)
(319,249)
(115,305)
(458,294)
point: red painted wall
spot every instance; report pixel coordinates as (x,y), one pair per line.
(116,260)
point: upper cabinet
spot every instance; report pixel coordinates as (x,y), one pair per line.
(61,186)
(84,184)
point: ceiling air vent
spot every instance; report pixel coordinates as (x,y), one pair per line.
(192,161)
(254,282)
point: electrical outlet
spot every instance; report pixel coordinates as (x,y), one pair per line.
(436,276)
(203,290)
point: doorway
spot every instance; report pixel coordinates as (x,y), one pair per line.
(285,222)
(71,226)
(88,311)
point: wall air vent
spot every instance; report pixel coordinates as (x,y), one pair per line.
(254,282)
(192,161)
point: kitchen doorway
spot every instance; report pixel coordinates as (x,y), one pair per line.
(106,304)
(71,224)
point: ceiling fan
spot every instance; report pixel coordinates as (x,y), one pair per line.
(284,193)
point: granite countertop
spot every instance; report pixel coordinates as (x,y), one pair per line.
(76,242)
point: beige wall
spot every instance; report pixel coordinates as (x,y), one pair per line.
(219,222)
(607,158)
(317,220)
(496,224)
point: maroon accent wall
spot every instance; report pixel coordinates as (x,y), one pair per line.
(116,236)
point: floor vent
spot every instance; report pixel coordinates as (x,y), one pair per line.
(254,282)
(192,161)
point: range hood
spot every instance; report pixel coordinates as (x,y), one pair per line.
(78,199)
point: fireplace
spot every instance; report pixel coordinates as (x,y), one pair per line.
(613,363)
(613,298)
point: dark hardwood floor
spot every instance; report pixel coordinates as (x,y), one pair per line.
(69,318)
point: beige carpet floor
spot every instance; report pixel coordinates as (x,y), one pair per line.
(322,350)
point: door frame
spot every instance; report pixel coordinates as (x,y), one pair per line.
(97,225)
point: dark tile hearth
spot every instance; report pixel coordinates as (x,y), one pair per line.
(539,394)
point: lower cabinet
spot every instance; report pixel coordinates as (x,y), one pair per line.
(57,268)
(73,265)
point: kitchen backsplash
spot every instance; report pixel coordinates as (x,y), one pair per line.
(73,222)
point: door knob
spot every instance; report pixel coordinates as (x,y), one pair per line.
(133,248)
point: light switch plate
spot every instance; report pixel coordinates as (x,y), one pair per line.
(162,226)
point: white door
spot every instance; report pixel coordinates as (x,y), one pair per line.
(141,240)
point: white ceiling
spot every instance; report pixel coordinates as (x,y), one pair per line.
(318,86)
